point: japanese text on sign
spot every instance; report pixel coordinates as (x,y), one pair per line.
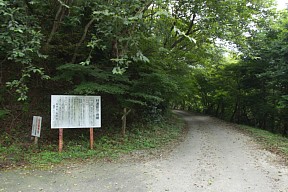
(36,126)
(73,111)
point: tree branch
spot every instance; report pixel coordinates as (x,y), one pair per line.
(82,39)
(55,25)
(58,18)
(188,32)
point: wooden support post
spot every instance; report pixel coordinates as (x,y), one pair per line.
(124,122)
(60,140)
(35,140)
(91,138)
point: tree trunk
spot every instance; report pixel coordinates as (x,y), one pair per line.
(82,39)
(125,113)
(234,112)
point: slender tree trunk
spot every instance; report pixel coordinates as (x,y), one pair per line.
(285,128)
(222,113)
(58,19)
(217,109)
(55,24)
(234,112)
(82,39)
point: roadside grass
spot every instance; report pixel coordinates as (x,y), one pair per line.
(275,143)
(107,146)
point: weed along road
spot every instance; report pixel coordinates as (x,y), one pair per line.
(214,157)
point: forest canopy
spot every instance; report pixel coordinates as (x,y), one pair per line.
(225,58)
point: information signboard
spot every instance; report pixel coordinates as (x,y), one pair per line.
(73,111)
(36,126)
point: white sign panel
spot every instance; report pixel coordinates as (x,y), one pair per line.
(73,111)
(36,126)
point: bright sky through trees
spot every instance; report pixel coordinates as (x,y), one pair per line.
(282,4)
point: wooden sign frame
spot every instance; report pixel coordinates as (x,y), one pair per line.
(75,111)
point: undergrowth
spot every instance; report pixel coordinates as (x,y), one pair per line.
(109,146)
(272,142)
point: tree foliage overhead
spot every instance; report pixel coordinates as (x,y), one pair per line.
(143,55)
(251,87)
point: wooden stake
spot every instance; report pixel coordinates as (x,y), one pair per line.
(91,138)
(35,140)
(124,122)
(125,113)
(60,140)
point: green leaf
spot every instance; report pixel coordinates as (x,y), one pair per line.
(63,4)
(118,70)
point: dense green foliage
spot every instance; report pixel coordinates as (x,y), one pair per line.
(147,56)
(251,87)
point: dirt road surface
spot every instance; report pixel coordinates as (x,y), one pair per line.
(214,157)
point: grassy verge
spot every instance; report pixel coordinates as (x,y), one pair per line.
(107,146)
(272,142)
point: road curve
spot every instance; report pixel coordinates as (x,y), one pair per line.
(214,157)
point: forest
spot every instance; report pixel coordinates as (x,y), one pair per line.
(227,59)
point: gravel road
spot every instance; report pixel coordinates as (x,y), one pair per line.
(214,157)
